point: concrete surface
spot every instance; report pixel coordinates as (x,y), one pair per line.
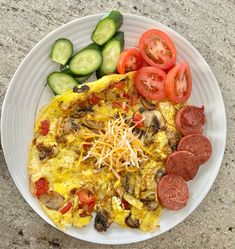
(210,27)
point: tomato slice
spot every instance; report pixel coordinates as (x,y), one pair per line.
(157,49)
(41,187)
(66,208)
(129,60)
(86,196)
(150,82)
(138,120)
(44,127)
(94,99)
(179,83)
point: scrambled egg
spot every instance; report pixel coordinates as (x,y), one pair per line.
(60,156)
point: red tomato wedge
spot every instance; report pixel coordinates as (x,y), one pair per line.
(66,208)
(129,60)
(41,187)
(150,82)
(179,83)
(157,49)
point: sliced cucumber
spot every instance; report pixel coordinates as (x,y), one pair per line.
(60,82)
(107,27)
(111,52)
(61,51)
(86,61)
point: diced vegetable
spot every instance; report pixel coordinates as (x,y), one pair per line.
(94,99)
(44,127)
(86,196)
(107,27)
(61,51)
(120,85)
(120,105)
(41,187)
(60,82)
(66,208)
(86,200)
(138,120)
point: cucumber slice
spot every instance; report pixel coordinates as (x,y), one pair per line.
(111,52)
(107,27)
(61,51)
(60,82)
(86,61)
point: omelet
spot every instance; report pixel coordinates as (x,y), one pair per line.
(99,149)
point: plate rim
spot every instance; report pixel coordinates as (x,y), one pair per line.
(13,82)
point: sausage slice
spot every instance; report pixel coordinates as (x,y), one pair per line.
(198,145)
(52,199)
(182,163)
(172,192)
(190,120)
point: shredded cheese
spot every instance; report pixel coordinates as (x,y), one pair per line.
(117,147)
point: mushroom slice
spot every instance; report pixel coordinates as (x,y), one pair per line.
(52,200)
(128,182)
(82,111)
(46,152)
(147,104)
(154,120)
(70,125)
(102,221)
(84,88)
(133,223)
(173,139)
(95,125)
(159,174)
(152,205)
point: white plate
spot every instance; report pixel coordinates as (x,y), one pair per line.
(27,91)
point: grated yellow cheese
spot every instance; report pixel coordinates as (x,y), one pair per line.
(117,147)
